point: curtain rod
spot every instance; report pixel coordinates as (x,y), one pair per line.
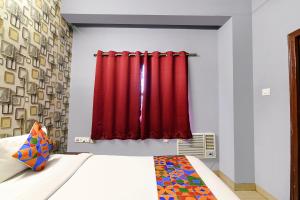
(149,54)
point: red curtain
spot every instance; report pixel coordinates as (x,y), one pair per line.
(117,112)
(165,110)
(116,108)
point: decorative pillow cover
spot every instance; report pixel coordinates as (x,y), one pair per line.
(35,151)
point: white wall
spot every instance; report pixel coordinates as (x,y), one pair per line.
(272,22)
(226,107)
(202,71)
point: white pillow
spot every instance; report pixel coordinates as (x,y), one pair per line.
(45,130)
(10,166)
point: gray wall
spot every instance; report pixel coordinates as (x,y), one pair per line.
(272,22)
(226,107)
(158,7)
(202,71)
(240,10)
(236,99)
(243,99)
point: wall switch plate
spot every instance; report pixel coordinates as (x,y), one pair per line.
(77,140)
(83,140)
(266,92)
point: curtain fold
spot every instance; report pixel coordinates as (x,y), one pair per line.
(116,106)
(165,110)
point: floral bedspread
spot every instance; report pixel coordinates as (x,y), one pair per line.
(177,180)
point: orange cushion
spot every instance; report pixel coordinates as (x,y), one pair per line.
(35,151)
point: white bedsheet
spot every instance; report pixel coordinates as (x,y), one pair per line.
(216,186)
(112,178)
(31,185)
(128,178)
(99,177)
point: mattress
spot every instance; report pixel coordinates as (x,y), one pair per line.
(87,176)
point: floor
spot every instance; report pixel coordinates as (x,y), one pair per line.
(249,195)
(246,195)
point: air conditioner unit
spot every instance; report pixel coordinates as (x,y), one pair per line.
(202,145)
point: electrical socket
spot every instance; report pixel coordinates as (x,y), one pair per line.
(266,92)
(83,140)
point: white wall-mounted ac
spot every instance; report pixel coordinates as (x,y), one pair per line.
(202,145)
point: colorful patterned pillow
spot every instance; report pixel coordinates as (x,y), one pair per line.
(35,151)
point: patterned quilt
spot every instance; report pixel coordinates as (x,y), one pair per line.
(177,180)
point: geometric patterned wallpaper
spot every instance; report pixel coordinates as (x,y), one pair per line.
(35,64)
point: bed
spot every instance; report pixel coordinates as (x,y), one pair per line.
(103,177)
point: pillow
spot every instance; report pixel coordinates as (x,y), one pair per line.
(45,130)
(35,151)
(51,147)
(8,165)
